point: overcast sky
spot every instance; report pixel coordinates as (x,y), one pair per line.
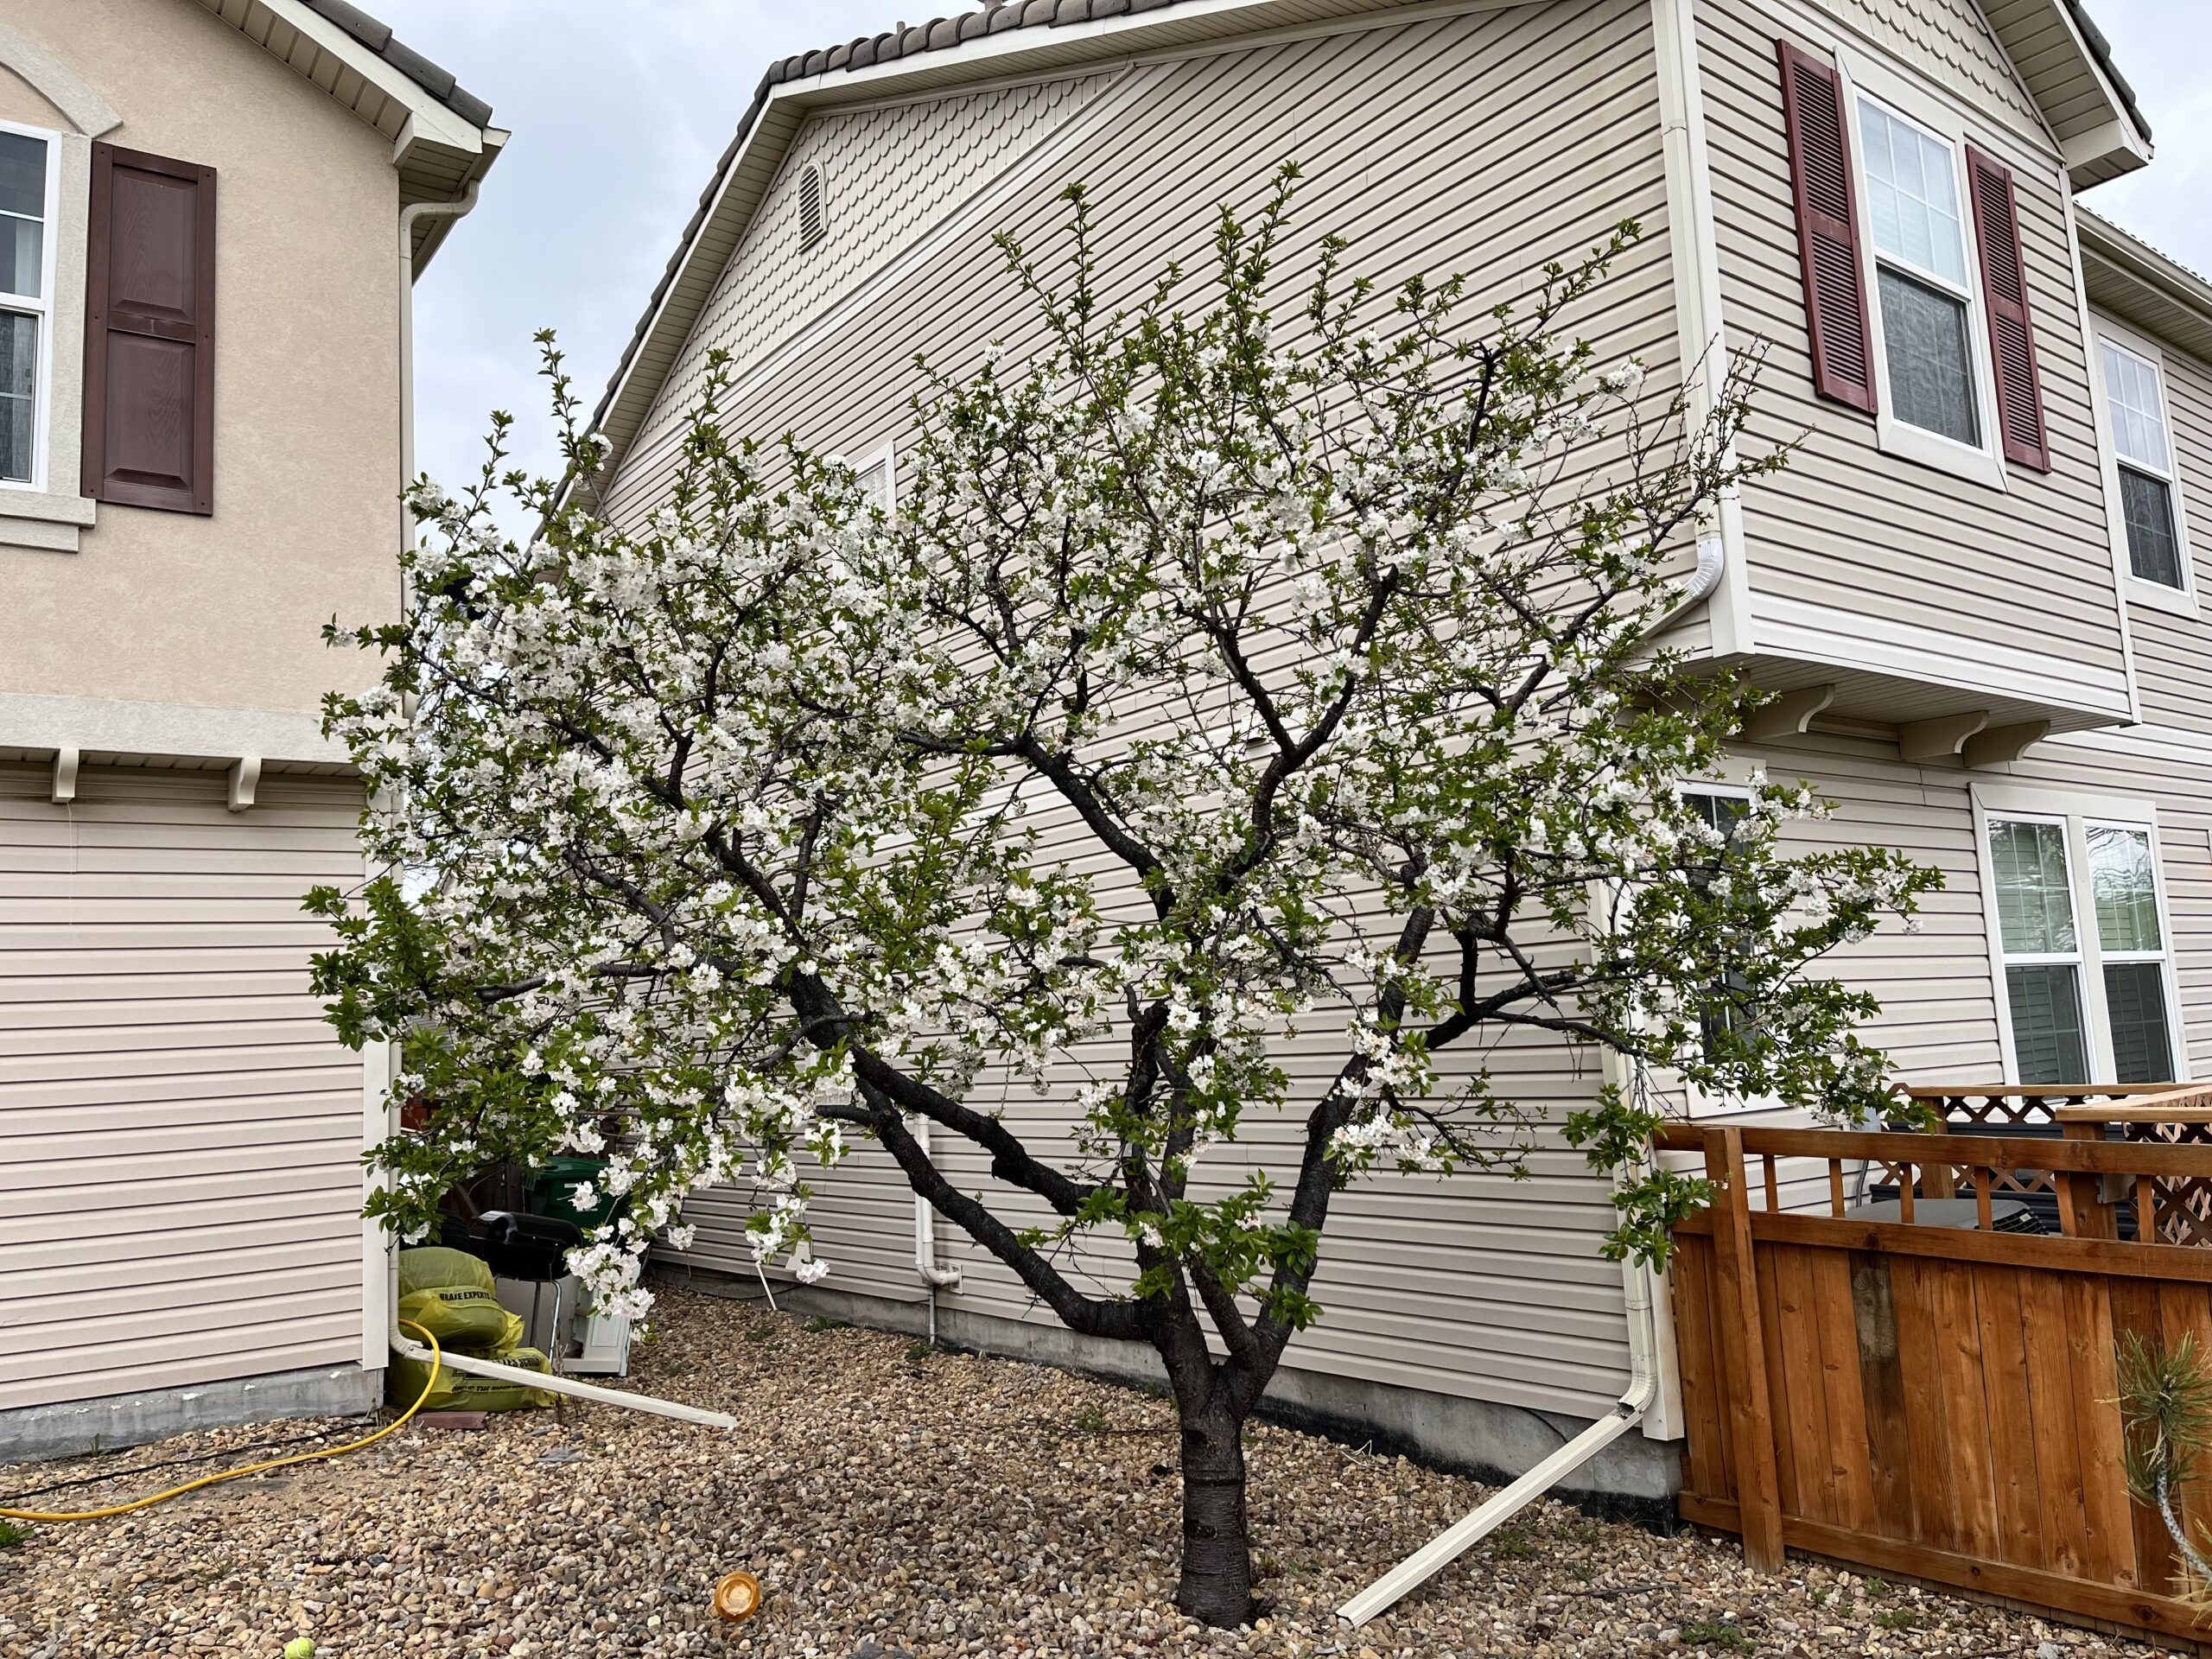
(619,113)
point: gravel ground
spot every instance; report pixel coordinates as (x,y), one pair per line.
(887,1498)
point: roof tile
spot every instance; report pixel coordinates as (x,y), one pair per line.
(439,83)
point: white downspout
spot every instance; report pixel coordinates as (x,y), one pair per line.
(1448,1546)
(1646,1389)
(1712,565)
(935,1277)
(401,1343)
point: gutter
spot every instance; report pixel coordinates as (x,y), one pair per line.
(1647,1381)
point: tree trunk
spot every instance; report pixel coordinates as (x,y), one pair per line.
(1217,1583)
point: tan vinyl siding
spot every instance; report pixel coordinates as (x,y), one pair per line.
(180,1132)
(2173,652)
(1511,138)
(1937,987)
(1848,528)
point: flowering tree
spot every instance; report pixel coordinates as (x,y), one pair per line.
(1213,680)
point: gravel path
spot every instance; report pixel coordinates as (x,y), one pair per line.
(887,1498)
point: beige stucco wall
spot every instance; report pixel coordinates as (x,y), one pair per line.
(224,612)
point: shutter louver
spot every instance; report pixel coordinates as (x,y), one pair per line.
(1828,229)
(2005,297)
(149,333)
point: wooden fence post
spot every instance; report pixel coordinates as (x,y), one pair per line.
(1750,1405)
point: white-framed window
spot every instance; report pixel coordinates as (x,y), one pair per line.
(878,470)
(1722,808)
(2142,479)
(2080,937)
(29,190)
(1936,402)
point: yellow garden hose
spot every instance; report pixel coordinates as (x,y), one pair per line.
(253,1468)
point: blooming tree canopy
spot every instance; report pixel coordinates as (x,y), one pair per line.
(1219,676)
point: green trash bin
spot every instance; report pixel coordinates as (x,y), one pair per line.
(551,1192)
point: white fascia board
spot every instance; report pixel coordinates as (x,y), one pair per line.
(433,120)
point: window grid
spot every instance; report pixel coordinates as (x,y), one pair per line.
(1722,809)
(2138,411)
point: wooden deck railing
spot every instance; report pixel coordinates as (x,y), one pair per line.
(1941,1401)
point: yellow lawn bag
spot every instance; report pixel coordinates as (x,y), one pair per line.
(432,1267)
(458,1391)
(463,1318)
(449,1293)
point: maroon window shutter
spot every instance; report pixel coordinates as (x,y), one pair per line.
(1828,229)
(149,333)
(2004,294)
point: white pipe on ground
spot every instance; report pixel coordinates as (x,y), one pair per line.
(407,1345)
(1448,1546)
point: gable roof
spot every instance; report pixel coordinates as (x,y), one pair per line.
(442,137)
(2064,62)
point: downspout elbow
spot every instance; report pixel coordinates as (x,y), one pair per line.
(1712,565)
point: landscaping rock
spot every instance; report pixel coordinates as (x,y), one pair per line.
(891,1506)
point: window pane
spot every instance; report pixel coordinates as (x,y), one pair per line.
(18,394)
(2138,413)
(23,174)
(1912,196)
(2135,1000)
(1726,1008)
(2047,1038)
(1931,358)
(2035,912)
(1721,813)
(2147,505)
(21,250)
(2125,888)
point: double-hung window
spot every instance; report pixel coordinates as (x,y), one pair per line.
(2143,464)
(2082,940)
(1920,275)
(1916,289)
(27,192)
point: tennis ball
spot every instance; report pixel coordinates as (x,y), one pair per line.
(300,1647)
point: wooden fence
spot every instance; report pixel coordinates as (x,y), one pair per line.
(1941,1401)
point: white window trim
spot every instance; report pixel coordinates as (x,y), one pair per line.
(1983,463)
(46,309)
(2076,811)
(1733,784)
(2183,600)
(885,455)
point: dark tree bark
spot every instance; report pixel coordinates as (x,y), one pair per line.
(1215,1587)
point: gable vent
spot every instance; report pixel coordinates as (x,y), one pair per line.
(810,206)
